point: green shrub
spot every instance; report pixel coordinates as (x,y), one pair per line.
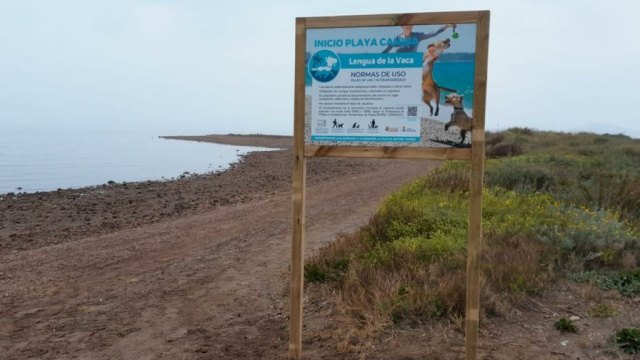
(438,247)
(503,150)
(584,232)
(518,285)
(328,270)
(450,179)
(628,340)
(522,131)
(616,191)
(626,283)
(520,178)
(399,304)
(600,140)
(493,138)
(603,310)
(313,273)
(566,325)
(417,212)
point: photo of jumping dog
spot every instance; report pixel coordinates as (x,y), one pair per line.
(458,118)
(431,90)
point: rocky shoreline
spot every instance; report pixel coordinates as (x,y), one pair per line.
(34,220)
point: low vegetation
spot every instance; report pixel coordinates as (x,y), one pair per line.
(626,282)
(565,325)
(628,340)
(554,205)
(603,310)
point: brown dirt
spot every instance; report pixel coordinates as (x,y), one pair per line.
(207,280)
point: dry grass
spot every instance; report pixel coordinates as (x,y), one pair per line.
(449,179)
(409,291)
(517,264)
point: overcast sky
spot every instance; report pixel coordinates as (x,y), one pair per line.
(194,67)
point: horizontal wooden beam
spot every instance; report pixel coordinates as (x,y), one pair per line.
(456,17)
(387,152)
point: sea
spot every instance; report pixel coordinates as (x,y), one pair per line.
(458,75)
(45,161)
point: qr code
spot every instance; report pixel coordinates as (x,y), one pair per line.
(412,111)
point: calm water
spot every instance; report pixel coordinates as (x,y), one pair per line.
(46,161)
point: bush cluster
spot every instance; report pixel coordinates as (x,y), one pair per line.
(568,204)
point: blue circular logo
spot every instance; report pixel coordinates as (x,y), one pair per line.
(324,65)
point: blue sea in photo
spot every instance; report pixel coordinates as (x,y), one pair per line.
(457,75)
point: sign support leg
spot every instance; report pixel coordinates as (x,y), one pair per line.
(297,259)
(299,189)
(474,242)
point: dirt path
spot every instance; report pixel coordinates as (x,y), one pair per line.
(208,285)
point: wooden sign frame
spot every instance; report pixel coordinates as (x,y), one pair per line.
(475,154)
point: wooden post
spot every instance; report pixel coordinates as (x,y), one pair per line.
(299,185)
(474,242)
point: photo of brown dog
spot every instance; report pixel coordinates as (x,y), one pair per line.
(431,90)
